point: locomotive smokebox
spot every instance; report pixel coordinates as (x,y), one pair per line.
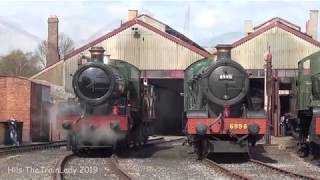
(95,82)
(97,54)
(223,52)
(225,84)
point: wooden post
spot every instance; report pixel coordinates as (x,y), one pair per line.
(275,104)
(268,84)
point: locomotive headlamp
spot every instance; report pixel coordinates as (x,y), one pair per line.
(115,125)
(201,129)
(253,129)
(67,125)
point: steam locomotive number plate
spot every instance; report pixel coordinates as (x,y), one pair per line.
(238,126)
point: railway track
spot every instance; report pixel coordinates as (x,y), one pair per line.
(51,145)
(60,172)
(121,172)
(113,163)
(282,171)
(31,147)
(254,169)
(230,173)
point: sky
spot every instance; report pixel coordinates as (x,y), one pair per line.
(23,23)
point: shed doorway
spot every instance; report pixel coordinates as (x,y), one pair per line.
(169,106)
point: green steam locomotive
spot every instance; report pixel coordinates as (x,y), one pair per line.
(307,123)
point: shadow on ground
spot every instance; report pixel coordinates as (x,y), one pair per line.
(258,152)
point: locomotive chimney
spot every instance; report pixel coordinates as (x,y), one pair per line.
(53,51)
(223,52)
(97,54)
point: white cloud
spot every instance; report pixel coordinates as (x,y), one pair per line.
(206,19)
(85,20)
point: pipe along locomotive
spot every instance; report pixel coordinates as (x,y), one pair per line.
(307,121)
(117,108)
(218,106)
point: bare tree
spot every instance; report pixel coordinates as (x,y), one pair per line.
(18,63)
(65,44)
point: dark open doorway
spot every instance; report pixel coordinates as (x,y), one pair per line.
(169,106)
(285,104)
(257,94)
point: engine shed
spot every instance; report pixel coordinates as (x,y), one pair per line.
(288,44)
(161,52)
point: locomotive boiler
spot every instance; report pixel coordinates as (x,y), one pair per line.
(218,106)
(117,108)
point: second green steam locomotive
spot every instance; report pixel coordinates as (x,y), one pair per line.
(308,104)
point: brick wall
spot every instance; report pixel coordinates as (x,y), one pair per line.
(15,101)
(3,95)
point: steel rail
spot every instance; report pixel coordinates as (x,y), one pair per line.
(31,147)
(163,141)
(120,171)
(59,173)
(60,166)
(225,170)
(292,174)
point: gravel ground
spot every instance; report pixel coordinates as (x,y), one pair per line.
(157,168)
(254,171)
(30,165)
(287,160)
(168,161)
(161,161)
(90,169)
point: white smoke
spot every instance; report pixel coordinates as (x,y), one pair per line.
(58,97)
(101,135)
(61,107)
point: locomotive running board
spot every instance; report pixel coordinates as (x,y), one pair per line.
(197,114)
